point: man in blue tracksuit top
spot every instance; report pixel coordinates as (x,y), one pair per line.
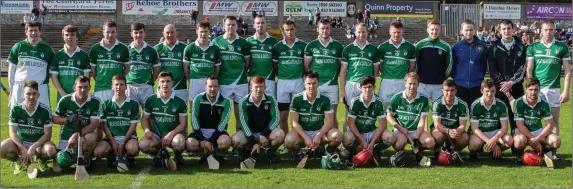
(470,63)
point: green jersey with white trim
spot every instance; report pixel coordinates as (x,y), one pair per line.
(548,61)
(233,54)
(450,117)
(141,62)
(164,114)
(261,63)
(290,60)
(90,109)
(172,61)
(311,114)
(532,115)
(202,62)
(366,115)
(360,61)
(108,62)
(30,125)
(32,61)
(408,113)
(69,66)
(325,59)
(119,117)
(489,119)
(396,59)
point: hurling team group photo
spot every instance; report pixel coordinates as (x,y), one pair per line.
(232,101)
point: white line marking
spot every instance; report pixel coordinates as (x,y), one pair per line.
(140,177)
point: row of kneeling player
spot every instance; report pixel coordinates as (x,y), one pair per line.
(164,122)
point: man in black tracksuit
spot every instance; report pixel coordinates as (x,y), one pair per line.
(506,60)
(259,118)
(209,117)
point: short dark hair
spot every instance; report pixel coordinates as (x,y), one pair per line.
(32,84)
(82,79)
(487,83)
(165,74)
(289,22)
(324,21)
(310,74)
(230,18)
(506,22)
(119,78)
(204,24)
(258,16)
(467,21)
(33,24)
(367,80)
(433,21)
(547,22)
(531,81)
(449,83)
(397,25)
(137,26)
(211,78)
(110,24)
(71,29)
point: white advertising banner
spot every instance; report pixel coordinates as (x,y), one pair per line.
(158,7)
(327,8)
(502,11)
(80,6)
(15,7)
(233,8)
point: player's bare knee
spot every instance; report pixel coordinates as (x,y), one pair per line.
(475,143)
(178,143)
(519,141)
(554,141)
(132,148)
(238,140)
(507,141)
(348,139)
(335,136)
(438,137)
(388,136)
(192,145)
(49,150)
(224,142)
(7,148)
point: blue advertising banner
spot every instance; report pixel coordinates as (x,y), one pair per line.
(399,9)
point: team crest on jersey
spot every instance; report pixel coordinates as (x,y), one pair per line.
(220,110)
(212,56)
(117,55)
(179,54)
(479,49)
(173,109)
(333,51)
(369,54)
(239,48)
(87,112)
(266,107)
(318,109)
(146,57)
(42,54)
(39,121)
(129,113)
(440,51)
(405,53)
(556,51)
(519,53)
(494,114)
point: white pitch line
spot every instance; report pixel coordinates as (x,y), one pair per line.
(140,177)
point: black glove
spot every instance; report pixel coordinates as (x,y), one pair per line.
(72,118)
(417,143)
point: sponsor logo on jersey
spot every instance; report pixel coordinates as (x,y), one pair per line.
(42,54)
(440,51)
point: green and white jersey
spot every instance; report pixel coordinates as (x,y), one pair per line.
(311,114)
(360,61)
(164,114)
(90,109)
(489,118)
(172,61)
(233,54)
(548,61)
(261,63)
(119,117)
(325,59)
(202,62)
(366,114)
(30,125)
(108,62)
(290,59)
(141,62)
(408,112)
(69,66)
(450,117)
(396,59)
(532,115)
(32,61)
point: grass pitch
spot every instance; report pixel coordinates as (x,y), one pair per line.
(481,173)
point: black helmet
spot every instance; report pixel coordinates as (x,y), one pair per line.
(401,159)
